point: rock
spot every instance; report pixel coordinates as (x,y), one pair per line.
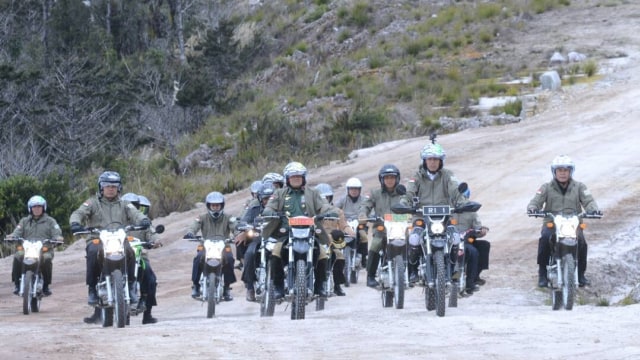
(550,80)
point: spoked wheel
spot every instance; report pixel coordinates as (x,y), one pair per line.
(556,299)
(268,304)
(106,316)
(398,281)
(211,295)
(453,294)
(430,298)
(438,256)
(300,291)
(120,311)
(569,284)
(27,294)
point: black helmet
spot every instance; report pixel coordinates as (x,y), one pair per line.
(388,169)
(109,178)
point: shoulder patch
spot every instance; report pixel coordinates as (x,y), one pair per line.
(539,191)
(233,219)
(412,180)
(86,203)
(56,226)
(130,206)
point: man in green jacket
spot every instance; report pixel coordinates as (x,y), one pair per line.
(562,193)
(36,226)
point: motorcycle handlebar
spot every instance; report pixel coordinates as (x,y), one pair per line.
(585,215)
(47,241)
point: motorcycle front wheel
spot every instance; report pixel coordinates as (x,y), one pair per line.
(119,311)
(300,291)
(398,281)
(347,267)
(268,304)
(211,295)
(27,295)
(569,281)
(441,285)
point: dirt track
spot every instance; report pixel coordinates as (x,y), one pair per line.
(597,124)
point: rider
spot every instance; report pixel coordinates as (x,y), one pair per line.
(241,247)
(146,275)
(477,251)
(337,231)
(297,200)
(215,223)
(36,226)
(432,184)
(562,193)
(380,201)
(250,257)
(99,211)
(350,204)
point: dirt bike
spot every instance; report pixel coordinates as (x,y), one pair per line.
(392,270)
(264,293)
(437,240)
(562,270)
(211,282)
(31,282)
(114,299)
(300,244)
(352,259)
(138,247)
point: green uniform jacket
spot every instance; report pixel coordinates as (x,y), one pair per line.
(442,190)
(467,221)
(380,201)
(351,208)
(550,197)
(100,212)
(221,228)
(314,204)
(43,228)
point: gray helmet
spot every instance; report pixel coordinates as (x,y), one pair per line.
(132,198)
(215,198)
(293,169)
(109,178)
(266,191)
(273,178)
(255,186)
(433,150)
(388,169)
(324,189)
(145,204)
(36,200)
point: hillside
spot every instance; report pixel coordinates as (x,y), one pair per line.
(509,318)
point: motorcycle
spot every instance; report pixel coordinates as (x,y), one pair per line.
(562,270)
(353,259)
(460,267)
(211,282)
(392,267)
(300,244)
(114,299)
(436,239)
(139,248)
(31,281)
(264,293)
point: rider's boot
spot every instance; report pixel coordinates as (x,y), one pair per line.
(542,276)
(321,277)
(16,290)
(195,290)
(93,318)
(133,298)
(372,267)
(278,277)
(226,293)
(337,289)
(93,296)
(147,318)
(45,290)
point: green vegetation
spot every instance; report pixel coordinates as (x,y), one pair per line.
(316,79)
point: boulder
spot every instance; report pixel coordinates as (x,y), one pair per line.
(550,80)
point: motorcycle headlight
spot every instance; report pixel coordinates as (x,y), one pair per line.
(437,228)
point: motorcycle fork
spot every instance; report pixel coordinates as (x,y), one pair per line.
(428,260)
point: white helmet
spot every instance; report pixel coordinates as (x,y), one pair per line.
(295,168)
(354,183)
(37,200)
(562,162)
(215,198)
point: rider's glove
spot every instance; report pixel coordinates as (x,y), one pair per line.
(595,212)
(145,222)
(531,211)
(189,235)
(75,227)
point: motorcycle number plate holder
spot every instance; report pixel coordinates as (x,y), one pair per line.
(439,210)
(301,221)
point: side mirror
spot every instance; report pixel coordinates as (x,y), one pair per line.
(159,229)
(470,206)
(401,209)
(401,189)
